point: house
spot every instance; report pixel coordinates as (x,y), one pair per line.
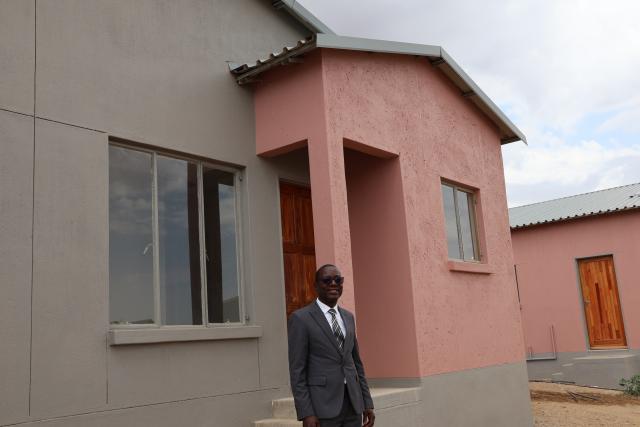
(576,261)
(165,199)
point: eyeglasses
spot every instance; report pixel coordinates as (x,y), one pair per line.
(327,280)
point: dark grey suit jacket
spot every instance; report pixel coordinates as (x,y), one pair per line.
(318,368)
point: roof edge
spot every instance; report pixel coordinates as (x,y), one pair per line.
(575,195)
(517,133)
(303,15)
(573,218)
(332,41)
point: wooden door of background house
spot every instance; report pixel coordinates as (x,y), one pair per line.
(601,303)
(297,245)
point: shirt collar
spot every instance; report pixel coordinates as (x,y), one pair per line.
(324,307)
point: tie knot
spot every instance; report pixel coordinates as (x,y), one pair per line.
(332,311)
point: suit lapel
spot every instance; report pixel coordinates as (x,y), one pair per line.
(321,320)
(349,325)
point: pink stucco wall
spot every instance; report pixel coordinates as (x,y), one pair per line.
(400,106)
(548,277)
(291,110)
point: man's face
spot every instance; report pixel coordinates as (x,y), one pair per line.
(327,286)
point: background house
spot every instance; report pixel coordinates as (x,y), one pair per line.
(576,260)
(160,218)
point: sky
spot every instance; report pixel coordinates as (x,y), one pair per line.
(566,72)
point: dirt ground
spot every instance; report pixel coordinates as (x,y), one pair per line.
(560,405)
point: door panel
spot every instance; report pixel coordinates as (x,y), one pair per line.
(309,271)
(292,271)
(287,210)
(601,303)
(305,217)
(297,245)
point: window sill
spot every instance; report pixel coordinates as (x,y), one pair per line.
(179,334)
(469,267)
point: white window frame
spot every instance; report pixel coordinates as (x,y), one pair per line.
(475,241)
(237,182)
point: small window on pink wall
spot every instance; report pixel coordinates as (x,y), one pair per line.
(460,222)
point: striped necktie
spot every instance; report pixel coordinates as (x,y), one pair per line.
(336,328)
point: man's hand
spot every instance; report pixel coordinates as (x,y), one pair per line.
(368,417)
(311,421)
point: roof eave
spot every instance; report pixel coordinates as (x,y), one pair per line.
(332,41)
(573,217)
(510,132)
(436,55)
(303,15)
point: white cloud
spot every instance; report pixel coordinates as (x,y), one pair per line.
(625,120)
(557,169)
(563,164)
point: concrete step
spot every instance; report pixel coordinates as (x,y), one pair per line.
(283,408)
(284,412)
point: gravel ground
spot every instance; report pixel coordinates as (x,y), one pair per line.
(559,405)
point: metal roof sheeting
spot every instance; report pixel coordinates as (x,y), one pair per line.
(435,54)
(596,203)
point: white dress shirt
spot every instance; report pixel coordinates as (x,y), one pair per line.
(325,309)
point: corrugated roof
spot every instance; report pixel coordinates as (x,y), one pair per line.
(589,204)
(435,54)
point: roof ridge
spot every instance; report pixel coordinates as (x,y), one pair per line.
(576,195)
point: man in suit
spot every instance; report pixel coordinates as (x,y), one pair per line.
(327,376)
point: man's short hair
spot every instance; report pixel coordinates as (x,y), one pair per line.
(318,277)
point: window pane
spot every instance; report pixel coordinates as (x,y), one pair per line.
(220,237)
(465,210)
(451,225)
(130,237)
(179,243)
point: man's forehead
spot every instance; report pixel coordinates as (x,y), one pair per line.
(329,271)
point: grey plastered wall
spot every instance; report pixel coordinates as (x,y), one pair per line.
(16,172)
(494,396)
(154,72)
(70,268)
(17,59)
(490,396)
(596,368)
(17,55)
(235,410)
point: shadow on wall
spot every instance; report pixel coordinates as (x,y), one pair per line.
(381,265)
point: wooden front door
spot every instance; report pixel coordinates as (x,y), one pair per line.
(601,303)
(297,245)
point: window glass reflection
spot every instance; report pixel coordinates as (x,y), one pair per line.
(450,222)
(179,244)
(130,237)
(161,229)
(220,241)
(465,210)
